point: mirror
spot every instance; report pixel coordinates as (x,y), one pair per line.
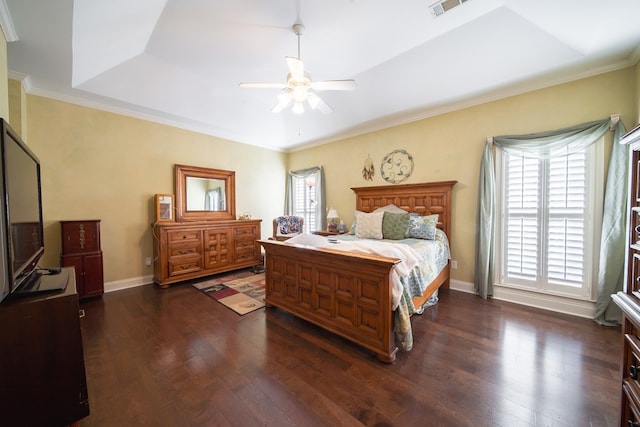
(204,194)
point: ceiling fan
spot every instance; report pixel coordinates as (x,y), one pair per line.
(299,86)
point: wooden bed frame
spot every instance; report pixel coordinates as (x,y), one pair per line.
(347,293)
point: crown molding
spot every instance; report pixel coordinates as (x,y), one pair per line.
(6,23)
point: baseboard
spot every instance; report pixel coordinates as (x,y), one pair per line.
(119,285)
(580,308)
(555,303)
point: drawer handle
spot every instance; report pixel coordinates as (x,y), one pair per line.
(633,372)
(637,229)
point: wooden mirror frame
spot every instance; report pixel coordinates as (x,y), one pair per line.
(229,177)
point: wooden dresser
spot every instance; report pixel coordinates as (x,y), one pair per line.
(81,250)
(629,299)
(186,250)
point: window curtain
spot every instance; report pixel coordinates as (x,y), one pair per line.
(544,145)
(318,173)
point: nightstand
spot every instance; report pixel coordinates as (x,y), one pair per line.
(327,233)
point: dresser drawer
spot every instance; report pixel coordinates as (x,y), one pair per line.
(245,233)
(174,236)
(184,265)
(245,245)
(246,255)
(184,248)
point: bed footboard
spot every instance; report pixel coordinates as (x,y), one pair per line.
(347,294)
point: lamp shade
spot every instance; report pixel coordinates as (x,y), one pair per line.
(333,214)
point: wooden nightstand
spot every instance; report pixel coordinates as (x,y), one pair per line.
(327,233)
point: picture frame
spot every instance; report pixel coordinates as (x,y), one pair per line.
(164,207)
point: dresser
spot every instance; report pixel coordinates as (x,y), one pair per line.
(187,250)
(81,250)
(629,299)
(43,381)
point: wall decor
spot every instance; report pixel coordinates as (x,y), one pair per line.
(164,207)
(369,170)
(396,166)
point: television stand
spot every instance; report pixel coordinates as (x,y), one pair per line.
(43,380)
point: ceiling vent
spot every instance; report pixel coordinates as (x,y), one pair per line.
(439,8)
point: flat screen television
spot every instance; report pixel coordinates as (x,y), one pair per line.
(21,231)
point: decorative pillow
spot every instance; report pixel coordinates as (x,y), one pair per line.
(369,225)
(395,225)
(355,221)
(390,208)
(423,227)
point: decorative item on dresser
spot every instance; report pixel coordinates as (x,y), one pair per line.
(81,250)
(629,299)
(207,238)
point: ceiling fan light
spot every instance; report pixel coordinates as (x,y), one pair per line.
(298,108)
(300,94)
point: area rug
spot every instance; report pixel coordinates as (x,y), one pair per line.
(242,292)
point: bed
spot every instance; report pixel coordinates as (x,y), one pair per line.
(350,294)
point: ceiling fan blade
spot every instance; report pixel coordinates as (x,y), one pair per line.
(296,69)
(283,100)
(317,103)
(334,85)
(258,85)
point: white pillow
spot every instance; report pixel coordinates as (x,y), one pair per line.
(390,208)
(369,225)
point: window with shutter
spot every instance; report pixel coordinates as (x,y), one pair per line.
(305,203)
(547,228)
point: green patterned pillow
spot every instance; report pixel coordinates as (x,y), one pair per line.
(395,225)
(423,227)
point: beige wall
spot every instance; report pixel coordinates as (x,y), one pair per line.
(18,108)
(4,78)
(449,146)
(99,165)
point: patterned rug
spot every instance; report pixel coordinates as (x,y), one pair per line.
(242,292)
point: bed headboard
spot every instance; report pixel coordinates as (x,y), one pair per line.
(425,199)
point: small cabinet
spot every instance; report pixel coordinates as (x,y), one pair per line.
(188,250)
(81,250)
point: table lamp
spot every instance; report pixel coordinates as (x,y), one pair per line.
(332,216)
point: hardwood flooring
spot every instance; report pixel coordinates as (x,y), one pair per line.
(175,357)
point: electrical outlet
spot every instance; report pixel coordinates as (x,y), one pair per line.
(454,264)
(147,261)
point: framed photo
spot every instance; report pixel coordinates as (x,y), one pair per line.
(164,207)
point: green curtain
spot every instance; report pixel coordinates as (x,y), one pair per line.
(544,145)
(318,173)
(614,233)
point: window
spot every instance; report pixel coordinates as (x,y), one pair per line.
(305,200)
(547,223)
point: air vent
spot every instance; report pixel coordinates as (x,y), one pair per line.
(443,6)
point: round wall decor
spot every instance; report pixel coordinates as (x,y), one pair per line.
(396,166)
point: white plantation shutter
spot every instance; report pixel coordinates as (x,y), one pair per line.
(545,211)
(567,199)
(522,217)
(305,203)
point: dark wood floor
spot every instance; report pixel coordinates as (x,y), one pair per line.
(176,357)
